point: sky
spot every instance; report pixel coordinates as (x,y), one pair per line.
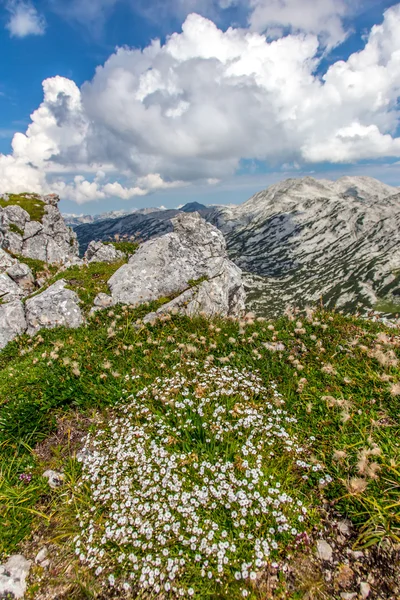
(130,103)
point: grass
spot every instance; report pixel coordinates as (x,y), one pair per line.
(15,229)
(388,306)
(29,202)
(87,280)
(37,266)
(125,246)
(339,378)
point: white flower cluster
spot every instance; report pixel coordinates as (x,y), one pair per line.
(182,485)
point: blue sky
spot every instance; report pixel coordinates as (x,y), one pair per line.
(210,114)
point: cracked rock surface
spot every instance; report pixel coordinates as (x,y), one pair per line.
(191,263)
(56,306)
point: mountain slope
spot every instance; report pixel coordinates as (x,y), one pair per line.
(303,239)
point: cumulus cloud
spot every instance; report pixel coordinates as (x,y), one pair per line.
(323,18)
(24,19)
(191,109)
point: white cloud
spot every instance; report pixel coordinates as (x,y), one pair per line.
(24,19)
(323,18)
(190,110)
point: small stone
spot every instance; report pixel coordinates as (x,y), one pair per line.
(324,550)
(344,527)
(41,556)
(13,576)
(344,577)
(348,595)
(365,589)
(54,478)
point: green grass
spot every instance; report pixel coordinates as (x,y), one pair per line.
(87,280)
(125,246)
(388,306)
(15,229)
(37,266)
(33,205)
(337,376)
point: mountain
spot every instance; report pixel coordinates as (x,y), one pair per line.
(73,220)
(299,241)
(193,207)
(136,225)
(302,240)
(142,224)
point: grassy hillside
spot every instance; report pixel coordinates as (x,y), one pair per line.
(218,454)
(32,203)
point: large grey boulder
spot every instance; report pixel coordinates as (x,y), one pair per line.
(190,262)
(13,576)
(56,306)
(12,321)
(99,252)
(9,290)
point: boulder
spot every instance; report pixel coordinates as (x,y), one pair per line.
(16,215)
(9,290)
(12,319)
(56,306)
(190,262)
(6,260)
(13,576)
(22,275)
(99,252)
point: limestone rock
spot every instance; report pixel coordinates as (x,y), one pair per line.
(365,589)
(191,260)
(12,319)
(54,478)
(6,260)
(13,576)
(54,307)
(22,275)
(99,252)
(103,300)
(9,290)
(16,215)
(324,550)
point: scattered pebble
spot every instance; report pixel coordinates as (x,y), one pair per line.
(324,550)
(365,589)
(54,478)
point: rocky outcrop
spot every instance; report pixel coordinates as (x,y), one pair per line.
(99,252)
(49,239)
(12,320)
(56,306)
(191,263)
(13,574)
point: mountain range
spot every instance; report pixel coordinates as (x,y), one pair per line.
(299,242)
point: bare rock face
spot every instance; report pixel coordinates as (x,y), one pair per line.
(22,275)
(12,319)
(50,240)
(99,252)
(9,290)
(192,262)
(56,306)
(13,576)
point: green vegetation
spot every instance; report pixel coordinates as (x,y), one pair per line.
(87,280)
(195,282)
(29,202)
(36,266)
(337,378)
(388,306)
(125,246)
(15,229)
